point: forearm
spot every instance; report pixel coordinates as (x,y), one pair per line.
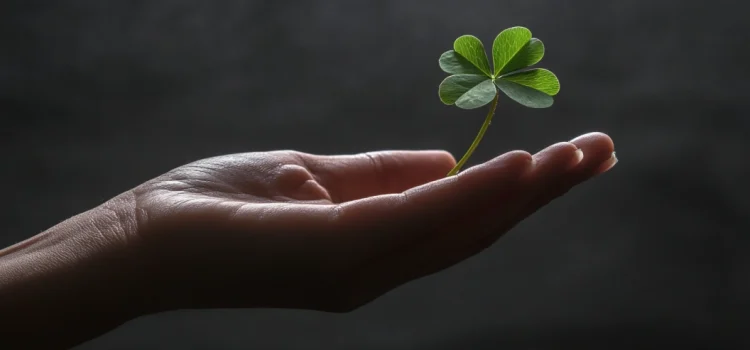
(70,283)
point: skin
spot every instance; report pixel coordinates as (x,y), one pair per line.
(276,229)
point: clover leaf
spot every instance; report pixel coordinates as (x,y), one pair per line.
(474,84)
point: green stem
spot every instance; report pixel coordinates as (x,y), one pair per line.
(485,125)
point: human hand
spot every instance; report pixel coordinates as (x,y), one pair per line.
(293,230)
(276,229)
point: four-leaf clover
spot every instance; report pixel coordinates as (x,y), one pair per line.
(474,84)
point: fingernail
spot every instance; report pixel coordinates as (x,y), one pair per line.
(608,164)
(578,157)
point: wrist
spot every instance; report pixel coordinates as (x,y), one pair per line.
(74,281)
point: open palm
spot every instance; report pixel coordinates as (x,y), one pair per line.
(290,229)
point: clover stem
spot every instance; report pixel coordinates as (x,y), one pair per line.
(482,130)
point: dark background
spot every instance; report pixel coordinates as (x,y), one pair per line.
(99,96)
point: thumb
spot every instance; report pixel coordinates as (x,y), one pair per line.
(352,177)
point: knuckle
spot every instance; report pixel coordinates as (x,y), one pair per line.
(376,159)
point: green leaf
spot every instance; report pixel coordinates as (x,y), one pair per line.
(478,96)
(530,54)
(454,86)
(472,49)
(453,63)
(537,78)
(507,45)
(467,91)
(524,95)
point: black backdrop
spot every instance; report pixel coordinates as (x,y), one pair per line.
(99,96)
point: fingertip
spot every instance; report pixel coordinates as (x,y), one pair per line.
(508,164)
(598,139)
(598,149)
(556,150)
(607,165)
(556,159)
(518,161)
(515,158)
(438,161)
(442,157)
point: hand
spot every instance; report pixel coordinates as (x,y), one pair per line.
(277,229)
(294,230)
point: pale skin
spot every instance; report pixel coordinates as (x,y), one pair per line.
(275,229)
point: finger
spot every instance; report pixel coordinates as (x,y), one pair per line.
(597,150)
(426,207)
(598,157)
(492,191)
(452,242)
(352,177)
(494,220)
